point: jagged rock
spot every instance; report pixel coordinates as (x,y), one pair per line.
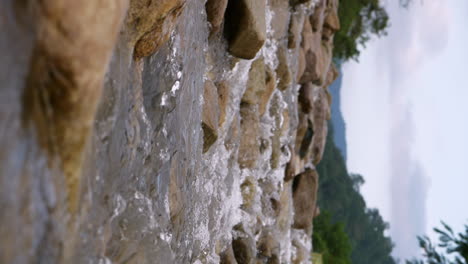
(150,23)
(302,253)
(305,97)
(318,61)
(227,257)
(332,74)
(332,22)
(294,34)
(301,64)
(305,187)
(282,71)
(256,85)
(215,13)
(210,115)
(246,27)
(244,250)
(319,114)
(223,99)
(280,20)
(318,17)
(307,36)
(249,124)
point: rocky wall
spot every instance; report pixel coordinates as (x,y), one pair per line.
(162,131)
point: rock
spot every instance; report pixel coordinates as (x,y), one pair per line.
(307,36)
(267,245)
(305,98)
(150,23)
(249,147)
(256,84)
(223,99)
(319,114)
(227,257)
(301,64)
(318,17)
(297,2)
(294,33)
(248,191)
(210,115)
(63,85)
(332,74)
(270,85)
(244,250)
(305,187)
(215,13)
(246,27)
(175,192)
(282,71)
(332,21)
(318,61)
(233,134)
(280,20)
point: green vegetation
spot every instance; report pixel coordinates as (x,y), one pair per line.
(339,196)
(359,19)
(456,247)
(331,240)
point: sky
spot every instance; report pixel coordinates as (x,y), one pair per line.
(405,105)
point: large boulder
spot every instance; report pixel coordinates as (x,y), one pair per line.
(256,84)
(246,27)
(215,13)
(318,116)
(305,186)
(332,22)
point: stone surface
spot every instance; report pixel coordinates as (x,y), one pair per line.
(227,257)
(215,13)
(294,33)
(282,71)
(244,250)
(280,20)
(210,115)
(319,118)
(150,23)
(223,99)
(307,36)
(305,198)
(301,64)
(249,149)
(246,26)
(256,84)
(270,85)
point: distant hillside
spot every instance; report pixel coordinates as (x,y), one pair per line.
(338,122)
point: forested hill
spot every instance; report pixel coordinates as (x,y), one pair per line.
(337,115)
(340,200)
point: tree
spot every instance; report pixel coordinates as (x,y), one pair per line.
(456,247)
(331,240)
(359,19)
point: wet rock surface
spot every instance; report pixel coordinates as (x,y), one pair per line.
(140,132)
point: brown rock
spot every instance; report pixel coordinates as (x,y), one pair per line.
(318,61)
(256,85)
(332,22)
(297,2)
(246,27)
(210,115)
(301,64)
(318,17)
(244,250)
(282,71)
(319,114)
(248,191)
(215,13)
(293,32)
(233,134)
(175,192)
(270,85)
(64,82)
(223,99)
(307,36)
(332,74)
(267,245)
(149,24)
(227,257)
(280,20)
(305,187)
(249,147)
